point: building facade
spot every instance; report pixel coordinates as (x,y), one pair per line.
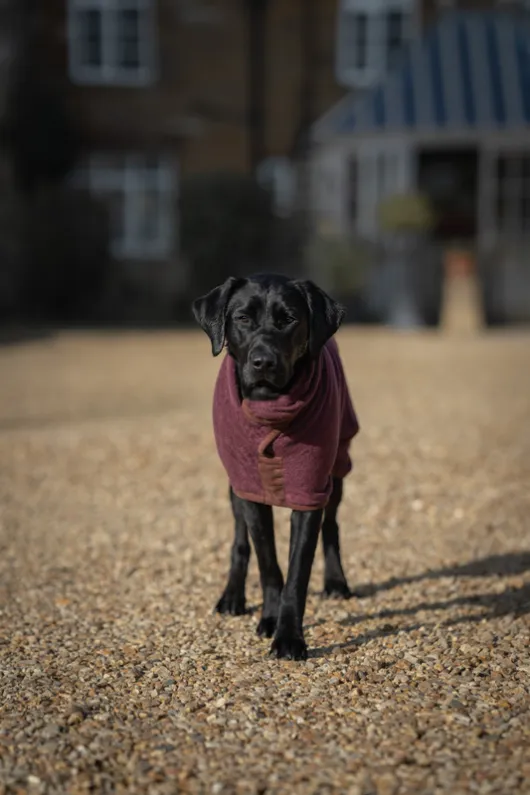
(164,89)
(450,119)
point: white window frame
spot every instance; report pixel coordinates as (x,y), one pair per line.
(377,64)
(109,72)
(384,169)
(133,180)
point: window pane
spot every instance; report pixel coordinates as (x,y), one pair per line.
(128,34)
(360,40)
(352,188)
(90,37)
(354,40)
(395,24)
(149,210)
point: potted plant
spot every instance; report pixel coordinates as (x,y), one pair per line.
(339,264)
(406,221)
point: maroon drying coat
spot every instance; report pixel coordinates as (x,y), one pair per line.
(285,452)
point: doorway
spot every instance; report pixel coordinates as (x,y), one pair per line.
(449,178)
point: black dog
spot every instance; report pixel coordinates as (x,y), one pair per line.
(275,330)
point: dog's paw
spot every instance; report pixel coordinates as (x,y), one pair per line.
(267,627)
(232,604)
(289,647)
(336,589)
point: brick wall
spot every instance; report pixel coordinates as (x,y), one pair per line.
(199,104)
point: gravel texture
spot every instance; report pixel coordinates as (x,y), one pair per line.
(115,529)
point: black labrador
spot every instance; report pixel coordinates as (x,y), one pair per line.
(271,326)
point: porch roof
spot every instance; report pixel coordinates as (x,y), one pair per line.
(470,71)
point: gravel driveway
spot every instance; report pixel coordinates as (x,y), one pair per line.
(115,675)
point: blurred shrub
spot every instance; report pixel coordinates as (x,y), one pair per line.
(226,227)
(407,212)
(339,264)
(343,265)
(67,255)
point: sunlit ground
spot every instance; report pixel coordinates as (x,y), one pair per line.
(114,544)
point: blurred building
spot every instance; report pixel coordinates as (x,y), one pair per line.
(163,89)
(448,116)
(115,102)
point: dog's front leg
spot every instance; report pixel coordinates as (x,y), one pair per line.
(260,522)
(233,599)
(289,638)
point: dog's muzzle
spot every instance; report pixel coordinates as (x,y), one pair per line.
(264,365)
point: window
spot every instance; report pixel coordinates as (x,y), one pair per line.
(139,191)
(395,36)
(111,42)
(513,193)
(370,38)
(353,188)
(359,30)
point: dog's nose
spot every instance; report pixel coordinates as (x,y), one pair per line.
(262,361)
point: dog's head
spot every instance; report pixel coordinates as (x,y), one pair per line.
(270,324)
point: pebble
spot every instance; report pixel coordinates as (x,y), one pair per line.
(115,533)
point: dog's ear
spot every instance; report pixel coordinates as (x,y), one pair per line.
(210,312)
(325,315)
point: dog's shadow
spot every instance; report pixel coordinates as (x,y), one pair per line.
(512,601)
(512,563)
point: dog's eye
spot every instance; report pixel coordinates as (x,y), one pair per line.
(285,322)
(243,319)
